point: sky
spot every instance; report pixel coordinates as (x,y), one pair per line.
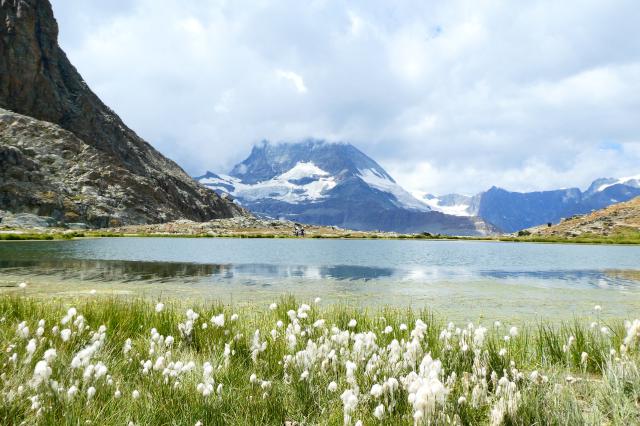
(448,96)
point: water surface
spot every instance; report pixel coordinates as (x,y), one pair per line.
(465,279)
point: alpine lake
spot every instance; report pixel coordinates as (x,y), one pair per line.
(464,280)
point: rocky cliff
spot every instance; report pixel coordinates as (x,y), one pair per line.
(64,153)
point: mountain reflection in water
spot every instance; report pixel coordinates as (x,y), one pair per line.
(129,271)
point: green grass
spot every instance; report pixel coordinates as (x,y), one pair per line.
(602,388)
(628,236)
(621,238)
(38,236)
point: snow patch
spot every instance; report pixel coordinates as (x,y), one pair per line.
(633,181)
(455,210)
(302,170)
(381,183)
(282,187)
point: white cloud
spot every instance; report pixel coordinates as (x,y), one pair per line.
(295,79)
(449,96)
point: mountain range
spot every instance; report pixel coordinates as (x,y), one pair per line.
(331,184)
(336,184)
(64,154)
(512,211)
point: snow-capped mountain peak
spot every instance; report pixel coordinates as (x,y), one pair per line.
(306,172)
(633,181)
(330,184)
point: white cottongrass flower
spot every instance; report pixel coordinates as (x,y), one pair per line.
(253,379)
(376,390)
(234,317)
(159,307)
(388,330)
(127,346)
(349,403)
(218,320)
(273,306)
(378,412)
(304,376)
(352,323)
(513,331)
(462,400)
(117,394)
(65,334)
(333,386)
(403,327)
(41,374)
(135,394)
(71,313)
(584,357)
(91,392)
(317,300)
(633,333)
(597,308)
(502,352)
(71,392)
(23,330)
(35,402)
(93,292)
(31,347)
(426,391)
(49,355)
(22,285)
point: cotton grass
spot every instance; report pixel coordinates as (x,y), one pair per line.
(109,361)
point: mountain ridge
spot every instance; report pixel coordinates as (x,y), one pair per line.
(329,183)
(512,211)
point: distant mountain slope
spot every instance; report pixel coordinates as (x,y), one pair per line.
(617,219)
(331,184)
(513,211)
(119,178)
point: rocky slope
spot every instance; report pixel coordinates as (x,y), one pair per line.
(332,184)
(65,154)
(617,219)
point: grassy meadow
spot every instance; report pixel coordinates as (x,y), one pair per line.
(115,361)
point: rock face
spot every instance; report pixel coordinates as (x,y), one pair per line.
(65,154)
(332,184)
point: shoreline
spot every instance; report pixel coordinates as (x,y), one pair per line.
(14,235)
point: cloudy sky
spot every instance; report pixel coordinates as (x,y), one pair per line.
(448,96)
